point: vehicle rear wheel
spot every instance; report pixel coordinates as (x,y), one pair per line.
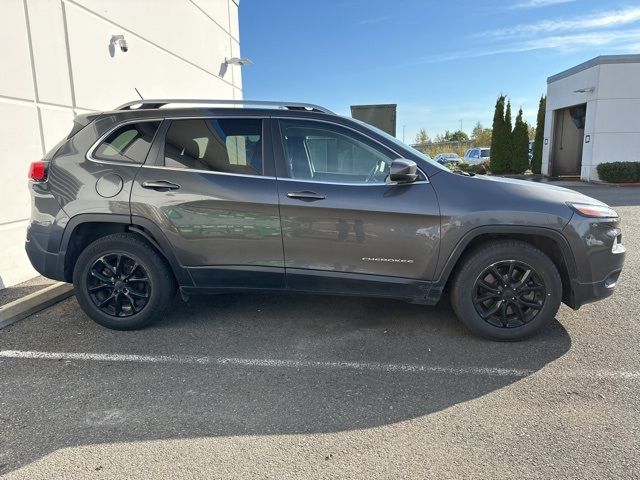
(506,291)
(122,283)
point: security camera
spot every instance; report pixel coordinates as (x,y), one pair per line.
(120,41)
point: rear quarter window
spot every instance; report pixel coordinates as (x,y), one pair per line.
(129,143)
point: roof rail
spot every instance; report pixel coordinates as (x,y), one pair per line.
(157,103)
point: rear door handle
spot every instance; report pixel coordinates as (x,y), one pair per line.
(161,185)
(306,195)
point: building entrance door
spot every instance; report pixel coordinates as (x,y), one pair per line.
(568,139)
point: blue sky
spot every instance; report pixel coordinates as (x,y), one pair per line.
(441,62)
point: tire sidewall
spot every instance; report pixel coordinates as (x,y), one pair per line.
(462,298)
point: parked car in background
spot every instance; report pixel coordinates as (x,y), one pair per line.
(444,158)
(477,155)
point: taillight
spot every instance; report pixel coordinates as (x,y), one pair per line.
(38,171)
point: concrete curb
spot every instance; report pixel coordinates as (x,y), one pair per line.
(34,302)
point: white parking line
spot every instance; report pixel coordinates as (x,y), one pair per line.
(268,362)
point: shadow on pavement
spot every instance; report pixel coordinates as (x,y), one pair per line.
(49,405)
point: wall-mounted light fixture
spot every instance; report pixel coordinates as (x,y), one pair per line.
(237,61)
(585,90)
(120,42)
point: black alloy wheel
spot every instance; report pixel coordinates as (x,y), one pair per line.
(118,285)
(509,294)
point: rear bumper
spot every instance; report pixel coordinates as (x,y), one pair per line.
(47,264)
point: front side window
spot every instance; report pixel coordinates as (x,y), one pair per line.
(232,145)
(329,153)
(129,143)
(485,152)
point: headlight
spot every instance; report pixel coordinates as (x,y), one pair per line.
(588,210)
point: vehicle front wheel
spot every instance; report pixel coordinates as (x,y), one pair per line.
(121,282)
(506,290)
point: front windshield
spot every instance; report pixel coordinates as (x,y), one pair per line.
(397,142)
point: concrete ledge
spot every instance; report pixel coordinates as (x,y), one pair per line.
(34,302)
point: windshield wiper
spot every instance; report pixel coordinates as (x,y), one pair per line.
(466,174)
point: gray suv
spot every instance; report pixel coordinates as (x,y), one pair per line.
(138,202)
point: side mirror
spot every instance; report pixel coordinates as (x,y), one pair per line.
(403,171)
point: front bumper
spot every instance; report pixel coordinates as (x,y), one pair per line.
(592,292)
(599,255)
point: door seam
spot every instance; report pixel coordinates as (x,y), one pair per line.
(272,131)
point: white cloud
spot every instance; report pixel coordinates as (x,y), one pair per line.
(539,3)
(583,40)
(609,19)
(622,39)
(608,29)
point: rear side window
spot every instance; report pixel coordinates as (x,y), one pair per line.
(129,143)
(231,145)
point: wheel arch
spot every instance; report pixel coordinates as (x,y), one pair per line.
(83,229)
(551,242)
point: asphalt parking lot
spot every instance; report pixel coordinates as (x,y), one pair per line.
(283,386)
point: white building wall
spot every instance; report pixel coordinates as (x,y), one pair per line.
(58,64)
(612,120)
(617,126)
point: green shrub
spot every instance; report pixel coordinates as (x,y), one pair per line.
(619,172)
(481,168)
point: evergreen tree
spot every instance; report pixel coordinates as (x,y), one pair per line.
(507,116)
(520,145)
(499,139)
(508,125)
(536,161)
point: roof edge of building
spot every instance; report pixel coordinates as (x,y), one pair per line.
(599,60)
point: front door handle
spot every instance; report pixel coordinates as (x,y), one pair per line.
(161,185)
(306,195)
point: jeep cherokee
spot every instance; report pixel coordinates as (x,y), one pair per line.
(210,198)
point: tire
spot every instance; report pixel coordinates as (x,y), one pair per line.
(128,275)
(528,305)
